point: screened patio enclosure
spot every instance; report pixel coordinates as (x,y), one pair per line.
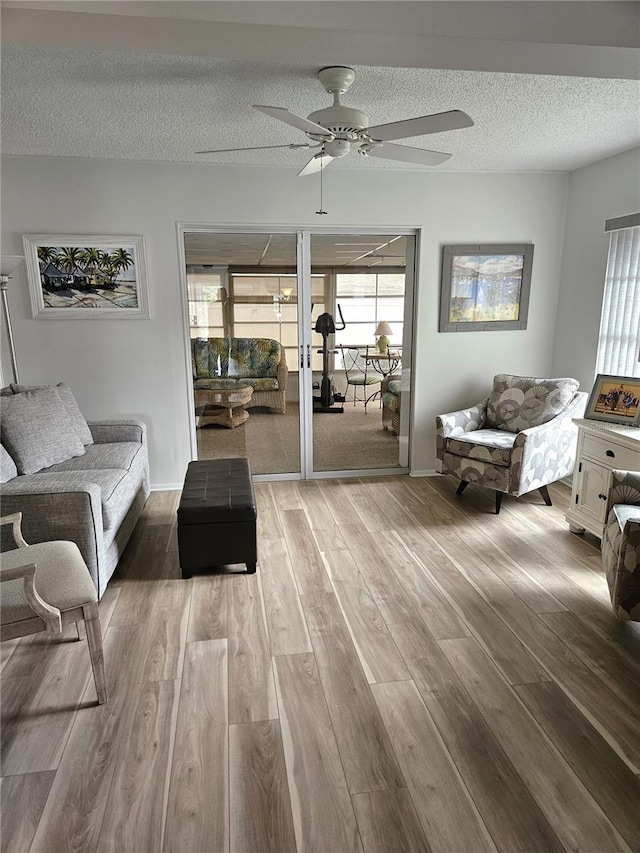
(257,362)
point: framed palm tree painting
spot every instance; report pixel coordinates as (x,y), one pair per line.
(86,277)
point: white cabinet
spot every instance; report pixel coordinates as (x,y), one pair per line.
(601,448)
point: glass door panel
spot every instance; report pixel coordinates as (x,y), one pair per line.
(361,369)
(242,295)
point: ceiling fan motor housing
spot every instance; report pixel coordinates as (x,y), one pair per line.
(340,120)
(343,122)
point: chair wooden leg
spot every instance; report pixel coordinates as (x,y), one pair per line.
(498,502)
(80,630)
(544,491)
(462,485)
(94,641)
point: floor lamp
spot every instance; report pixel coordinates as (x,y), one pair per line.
(8,264)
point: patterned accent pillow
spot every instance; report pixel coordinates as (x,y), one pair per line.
(36,430)
(520,402)
(265,358)
(200,358)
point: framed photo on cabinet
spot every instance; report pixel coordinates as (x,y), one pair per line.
(615,399)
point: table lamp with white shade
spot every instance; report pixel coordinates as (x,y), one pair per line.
(8,265)
(383,330)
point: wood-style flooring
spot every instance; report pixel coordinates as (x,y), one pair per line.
(406,672)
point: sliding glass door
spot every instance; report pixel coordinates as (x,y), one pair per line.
(243,345)
(368,292)
(300,349)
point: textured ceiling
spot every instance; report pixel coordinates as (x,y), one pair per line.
(145,105)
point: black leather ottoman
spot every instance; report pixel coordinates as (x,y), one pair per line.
(217,516)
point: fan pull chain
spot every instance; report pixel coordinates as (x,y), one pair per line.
(321,212)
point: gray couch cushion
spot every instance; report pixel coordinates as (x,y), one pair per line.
(117,489)
(121,454)
(78,421)
(520,402)
(8,468)
(36,430)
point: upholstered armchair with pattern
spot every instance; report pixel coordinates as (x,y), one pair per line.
(521,438)
(621,544)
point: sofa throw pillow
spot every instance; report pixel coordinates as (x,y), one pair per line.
(8,468)
(36,430)
(521,402)
(78,421)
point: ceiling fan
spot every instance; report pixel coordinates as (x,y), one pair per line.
(337,130)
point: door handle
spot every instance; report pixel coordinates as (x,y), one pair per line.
(602,497)
(308,355)
(301,356)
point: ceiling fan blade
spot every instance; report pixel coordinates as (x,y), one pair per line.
(436,123)
(316,164)
(421,156)
(256,148)
(294,120)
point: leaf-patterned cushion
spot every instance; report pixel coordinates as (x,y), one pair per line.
(236,358)
(519,402)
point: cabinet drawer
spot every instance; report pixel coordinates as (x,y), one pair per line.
(610,453)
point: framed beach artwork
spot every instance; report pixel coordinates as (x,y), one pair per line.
(485,287)
(73,277)
(615,399)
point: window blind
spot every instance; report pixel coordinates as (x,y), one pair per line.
(619,341)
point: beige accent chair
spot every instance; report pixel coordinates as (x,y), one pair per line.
(44,587)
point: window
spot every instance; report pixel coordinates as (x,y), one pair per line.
(265,305)
(367,299)
(619,341)
(207,290)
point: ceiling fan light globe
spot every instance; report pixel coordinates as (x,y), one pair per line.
(337,148)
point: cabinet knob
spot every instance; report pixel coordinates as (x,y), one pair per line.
(610,453)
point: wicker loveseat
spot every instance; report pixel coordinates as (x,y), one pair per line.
(229,363)
(391,397)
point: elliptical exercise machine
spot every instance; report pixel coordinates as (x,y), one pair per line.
(329,400)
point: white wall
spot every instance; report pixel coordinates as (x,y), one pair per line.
(136,368)
(601,191)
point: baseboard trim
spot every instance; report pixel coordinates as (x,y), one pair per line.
(430,472)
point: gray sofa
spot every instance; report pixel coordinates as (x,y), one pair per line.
(94,492)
